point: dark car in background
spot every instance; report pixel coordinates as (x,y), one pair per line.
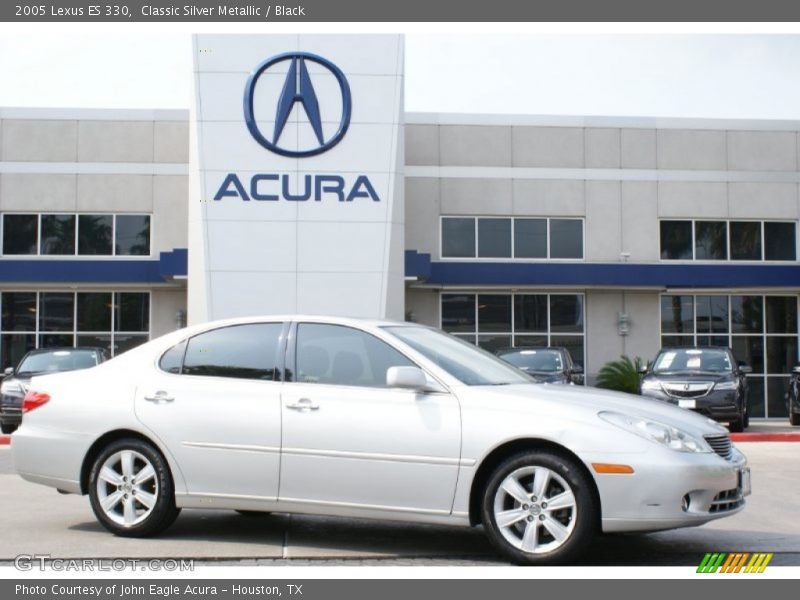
(793,397)
(551,364)
(39,362)
(706,380)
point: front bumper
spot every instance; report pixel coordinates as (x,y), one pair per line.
(717,405)
(655,496)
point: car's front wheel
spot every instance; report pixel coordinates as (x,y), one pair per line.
(794,419)
(539,508)
(7,428)
(131,489)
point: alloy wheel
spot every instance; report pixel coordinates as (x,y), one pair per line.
(127,488)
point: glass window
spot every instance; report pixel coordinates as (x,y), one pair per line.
(747,314)
(94,341)
(19,311)
(56,340)
(781,353)
(745,240)
(530,238)
(677,314)
(94,311)
(674,341)
(530,312)
(776,392)
(14,346)
(132,311)
(494,238)
(676,240)
(94,234)
(720,341)
(458,312)
(566,238)
(566,313)
(710,240)
(494,312)
(20,234)
(239,352)
(126,341)
(755,397)
(493,343)
(58,234)
(573,344)
(338,355)
(172,360)
(56,311)
(781,314)
(712,314)
(458,237)
(522,341)
(779,241)
(749,350)
(132,235)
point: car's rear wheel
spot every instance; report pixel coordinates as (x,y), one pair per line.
(737,425)
(131,489)
(539,508)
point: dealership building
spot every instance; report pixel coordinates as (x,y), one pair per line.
(297,183)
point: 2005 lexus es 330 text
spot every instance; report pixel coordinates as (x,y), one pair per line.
(373,419)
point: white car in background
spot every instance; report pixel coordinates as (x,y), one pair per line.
(360,418)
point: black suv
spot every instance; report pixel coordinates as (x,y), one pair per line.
(39,362)
(551,364)
(706,380)
(793,397)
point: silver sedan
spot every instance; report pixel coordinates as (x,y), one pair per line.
(371,419)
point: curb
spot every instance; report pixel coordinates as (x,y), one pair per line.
(766,437)
(5,440)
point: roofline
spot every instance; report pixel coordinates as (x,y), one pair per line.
(600,121)
(429,118)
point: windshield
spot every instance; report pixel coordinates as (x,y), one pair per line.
(539,361)
(58,360)
(467,363)
(707,360)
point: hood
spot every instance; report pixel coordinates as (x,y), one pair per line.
(549,398)
(690,376)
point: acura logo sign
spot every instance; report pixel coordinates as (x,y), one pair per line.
(297,91)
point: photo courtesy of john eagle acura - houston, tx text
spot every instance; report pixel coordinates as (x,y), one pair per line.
(404,313)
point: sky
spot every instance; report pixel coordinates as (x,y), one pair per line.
(662,75)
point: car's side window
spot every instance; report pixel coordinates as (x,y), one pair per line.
(247,351)
(172,360)
(339,355)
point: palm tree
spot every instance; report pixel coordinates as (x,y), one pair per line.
(620,375)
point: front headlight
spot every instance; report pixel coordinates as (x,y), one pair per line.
(725,385)
(666,435)
(651,384)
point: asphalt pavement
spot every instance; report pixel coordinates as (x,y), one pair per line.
(38,520)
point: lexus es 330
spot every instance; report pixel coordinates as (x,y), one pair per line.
(372,419)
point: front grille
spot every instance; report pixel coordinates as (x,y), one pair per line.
(721,444)
(727,500)
(687,390)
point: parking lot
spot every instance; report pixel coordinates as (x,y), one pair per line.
(38,520)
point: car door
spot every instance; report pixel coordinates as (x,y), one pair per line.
(214,402)
(351,442)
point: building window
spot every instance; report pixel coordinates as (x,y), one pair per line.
(495,321)
(63,234)
(762,331)
(116,321)
(512,238)
(728,240)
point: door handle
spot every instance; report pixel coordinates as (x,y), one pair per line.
(303,404)
(159,396)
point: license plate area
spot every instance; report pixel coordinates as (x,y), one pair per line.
(687,403)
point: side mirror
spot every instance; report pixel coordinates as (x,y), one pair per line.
(746,369)
(412,378)
(8,371)
(577,370)
(643,369)
(796,369)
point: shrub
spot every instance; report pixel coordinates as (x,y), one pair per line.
(620,375)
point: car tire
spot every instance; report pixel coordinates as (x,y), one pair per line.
(8,428)
(520,524)
(746,420)
(737,425)
(253,513)
(794,419)
(131,489)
